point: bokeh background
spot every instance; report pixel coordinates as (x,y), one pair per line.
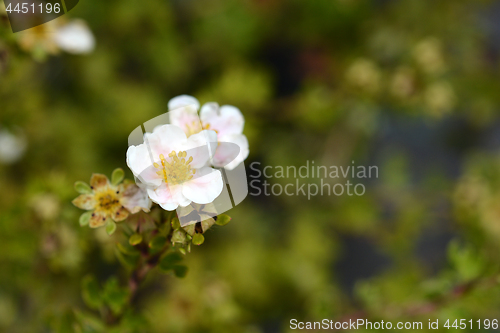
(409,86)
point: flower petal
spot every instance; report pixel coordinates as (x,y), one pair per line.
(225,120)
(182,101)
(120,214)
(168,196)
(164,140)
(98,181)
(201,147)
(97,220)
(85,201)
(134,199)
(224,155)
(204,188)
(139,161)
(75,37)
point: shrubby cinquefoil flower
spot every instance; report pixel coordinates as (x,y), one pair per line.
(174,167)
(227,121)
(106,200)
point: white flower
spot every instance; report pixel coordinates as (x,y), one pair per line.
(73,37)
(227,121)
(173,167)
(12,147)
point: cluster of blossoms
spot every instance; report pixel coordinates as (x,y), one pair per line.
(176,161)
(178,165)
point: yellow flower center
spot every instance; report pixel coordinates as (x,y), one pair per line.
(108,201)
(195,127)
(178,170)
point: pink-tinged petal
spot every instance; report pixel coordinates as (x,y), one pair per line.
(98,181)
(169,206)
(187,119)
(97,220)
(165,139)
(225,154)
(134,199)
(204,188)
(120,214)
(201,147)
(225,120)
(183,100)
(168,196)
(139,161)
(85,201)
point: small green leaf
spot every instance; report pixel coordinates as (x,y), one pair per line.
(180,271)
(128,261)
(110,227)
(117,176)
(222,219)
(91,292)
(82,187)
(157,242)
(135,239)
(183,251)
(127,249)
(175,223)
(85,218)
(164,229)
(170,260)
(179,236)
(115,296)
(198,239)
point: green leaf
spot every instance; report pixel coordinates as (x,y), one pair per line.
(157,242)
(180,271)
(135,239)
(198,239)
(110,227)
(117,176)
(115,296)
(128,261)
(179,236)
(91,292)
(182,250)
(164,229)
(127,249)
(175,223)
(82,187)
(85,218)
(170,260)
(222,219)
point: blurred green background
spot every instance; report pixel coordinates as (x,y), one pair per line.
(409,86)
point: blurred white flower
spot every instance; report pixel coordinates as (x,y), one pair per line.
(364,74)
(440,98)
(73,37)
(227,121)
(12,146)
(173,167)
(403,83)
(428,55)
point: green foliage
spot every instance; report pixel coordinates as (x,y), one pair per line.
(82,187)
(117,176)
(135,239)
(84,218)
(222,219)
